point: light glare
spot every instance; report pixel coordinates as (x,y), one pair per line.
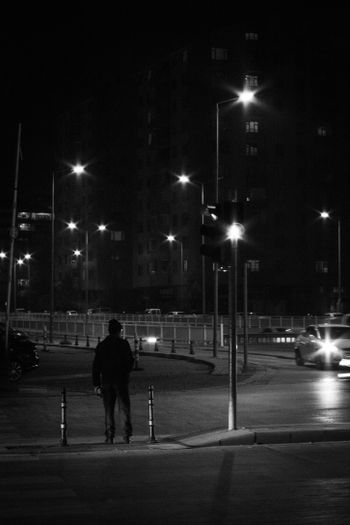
(235,231)
(246,96)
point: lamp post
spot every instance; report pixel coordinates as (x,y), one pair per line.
(234,233)
(171,238)
(79,170)
(185,179)
(245,97)
(17,262)
(71,225)
(326,215)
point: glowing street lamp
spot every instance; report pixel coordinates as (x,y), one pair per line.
(326,215)
(171,238)
(72,226)
(234,233)
(185,179)
(245,97)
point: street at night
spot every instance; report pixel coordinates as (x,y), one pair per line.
(174,208)
(95,483)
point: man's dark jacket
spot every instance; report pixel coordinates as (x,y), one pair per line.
(113,361)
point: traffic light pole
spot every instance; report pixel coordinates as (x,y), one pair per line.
(232,405)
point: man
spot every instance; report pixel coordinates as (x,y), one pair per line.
(111,366)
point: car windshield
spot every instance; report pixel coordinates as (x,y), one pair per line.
(335,332)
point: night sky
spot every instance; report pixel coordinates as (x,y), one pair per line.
(52,58)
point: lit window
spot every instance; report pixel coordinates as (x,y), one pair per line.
(321,266)
(251,36)
(251,81)
(251,151)
(252,126)
(218,53)
(117,236)
(152,267)
(254,265)
(322,131)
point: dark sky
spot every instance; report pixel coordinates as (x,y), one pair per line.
(54,53)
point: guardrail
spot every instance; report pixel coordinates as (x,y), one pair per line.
(260,330)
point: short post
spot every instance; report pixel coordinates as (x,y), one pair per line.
(156,349)
(87,341)
(191,348)
(152,438)
(76,340)
(63,419)
(137,355)
(140,344)
(98,340)
(44,340)
(173,350)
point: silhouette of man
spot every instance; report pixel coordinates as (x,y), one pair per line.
(111,367)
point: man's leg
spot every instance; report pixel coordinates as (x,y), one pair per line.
(124,410)
(109,398)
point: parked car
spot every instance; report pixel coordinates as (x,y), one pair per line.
(100,310)
(22,352)
(325,345)
(153,311)
(71,313)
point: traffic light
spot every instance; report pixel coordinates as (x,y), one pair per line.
(213,241)
(223,214)
(230,212)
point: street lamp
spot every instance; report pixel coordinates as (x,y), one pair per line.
(79,170)
(72,225)
(234,232)
(326,215)
(185,179)
(171,238)
(245,97)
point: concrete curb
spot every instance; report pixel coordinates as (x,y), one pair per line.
(216,438)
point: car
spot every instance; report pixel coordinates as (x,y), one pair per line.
(175,313)
(325,345)
(22,352)
(100,310)
(153,311)
(71,313)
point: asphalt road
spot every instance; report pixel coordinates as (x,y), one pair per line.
(295,484)
(188,397)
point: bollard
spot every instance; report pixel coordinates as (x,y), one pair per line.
(152,438)
(173,351)
(137,355)
(76,340)
(98,340)
(156,349)
(87,341)
(63,419)
(191,348)
(140,344)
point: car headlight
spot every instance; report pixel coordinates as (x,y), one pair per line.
(329,349)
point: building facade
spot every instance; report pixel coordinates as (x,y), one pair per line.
(283,156)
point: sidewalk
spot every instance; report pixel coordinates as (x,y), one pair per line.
(217,437)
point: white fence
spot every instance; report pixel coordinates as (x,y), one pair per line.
(184,329)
